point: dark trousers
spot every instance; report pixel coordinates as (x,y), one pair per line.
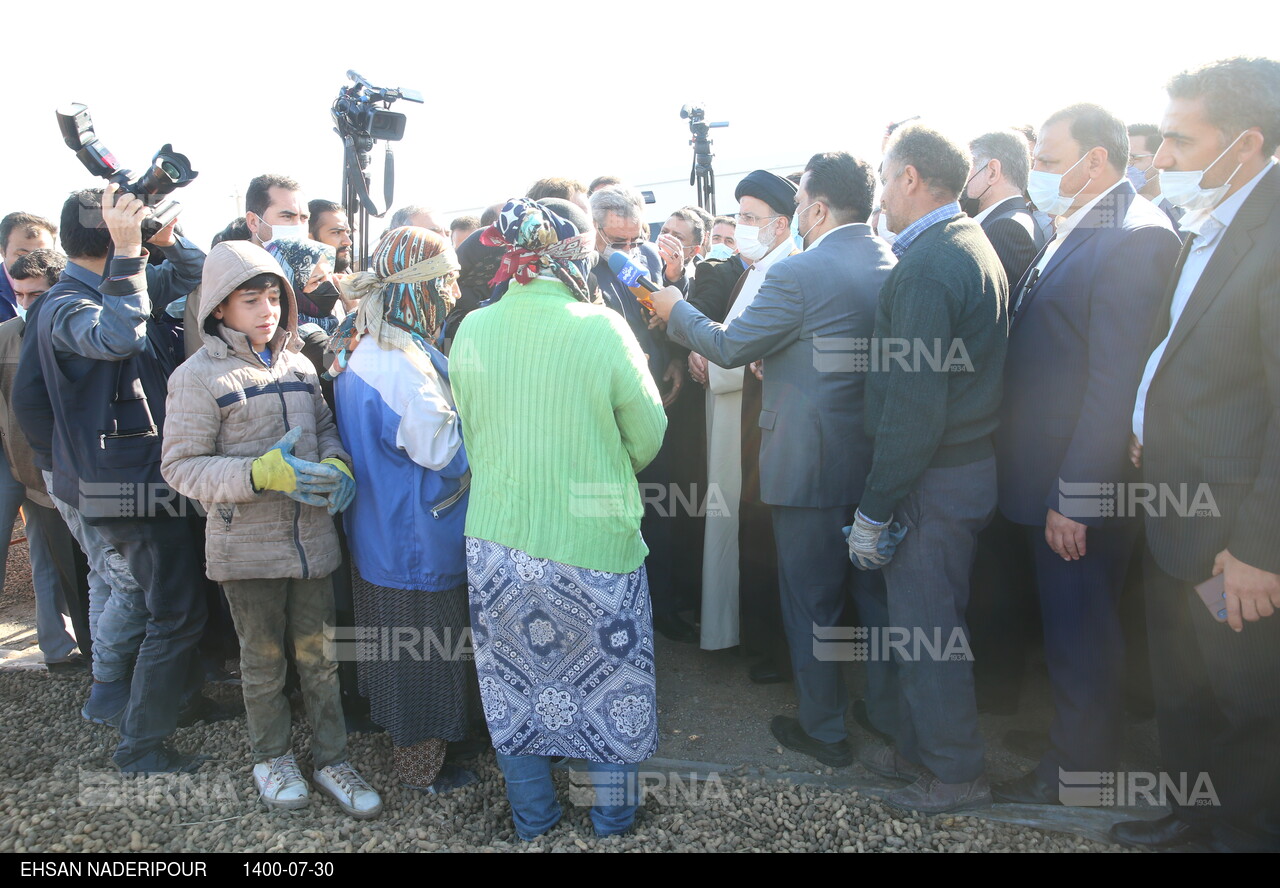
(656,528)
(816,580)
(165,557)
(687,461)
(1002,615)
(760,604)
(1217,695)
(71,566)
(927,591)
(1083,647)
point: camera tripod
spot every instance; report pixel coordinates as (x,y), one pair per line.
(702,176)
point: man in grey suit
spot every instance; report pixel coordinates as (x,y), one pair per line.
(812,313)
(1207,420)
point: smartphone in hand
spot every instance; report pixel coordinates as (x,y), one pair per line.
(1213,592)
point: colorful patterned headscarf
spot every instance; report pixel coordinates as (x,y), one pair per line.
(298,259)
(539,243)
(404,296)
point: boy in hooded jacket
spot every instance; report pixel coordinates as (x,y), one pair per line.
(249,435)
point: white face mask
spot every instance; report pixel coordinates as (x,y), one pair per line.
(22,312)
(1045,190)
(882,228)
(1182,188)
(749,243)
(283,232)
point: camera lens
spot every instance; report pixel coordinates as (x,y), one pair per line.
(170,169)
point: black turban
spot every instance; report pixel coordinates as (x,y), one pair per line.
(774,190)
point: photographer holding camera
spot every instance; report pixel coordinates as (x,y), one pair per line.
(97,361)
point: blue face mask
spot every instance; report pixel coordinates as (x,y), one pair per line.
(795,227)
(1137,177)
(720,251)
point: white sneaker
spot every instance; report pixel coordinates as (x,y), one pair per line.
(280,783)
(349,790)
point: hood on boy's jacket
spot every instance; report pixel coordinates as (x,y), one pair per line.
(230,264)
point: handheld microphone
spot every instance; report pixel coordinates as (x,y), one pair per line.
(634,277)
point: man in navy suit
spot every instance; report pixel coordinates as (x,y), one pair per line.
(1000,164)
(1001,617)
(1082,316)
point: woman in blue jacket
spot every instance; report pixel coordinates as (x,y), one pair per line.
(397,419)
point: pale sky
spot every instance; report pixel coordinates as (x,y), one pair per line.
(518,91)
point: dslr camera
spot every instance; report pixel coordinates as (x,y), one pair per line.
(168,169)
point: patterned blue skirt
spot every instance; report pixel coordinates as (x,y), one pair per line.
(565,656)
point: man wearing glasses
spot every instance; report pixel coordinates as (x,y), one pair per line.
(617,212)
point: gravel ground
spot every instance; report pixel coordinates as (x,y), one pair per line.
(62,794)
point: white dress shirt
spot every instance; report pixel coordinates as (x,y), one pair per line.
(1208,226)
(720,380)
(825,233)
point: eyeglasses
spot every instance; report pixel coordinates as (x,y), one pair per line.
(627,245)
(1135,157)
(752,219)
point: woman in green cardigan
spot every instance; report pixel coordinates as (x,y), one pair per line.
(559,412)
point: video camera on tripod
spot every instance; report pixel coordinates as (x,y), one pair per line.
(359,123)
(701,175)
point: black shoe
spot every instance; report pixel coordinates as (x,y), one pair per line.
(460,750)
(205,709)
(1028,744)
(75,665)
(676,629)
(997,706)
(1028,789)
(791,735)
(1162,833)
(165,760)
(767,671)
(864,721)
(362,724)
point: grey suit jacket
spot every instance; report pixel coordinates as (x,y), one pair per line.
(812,320)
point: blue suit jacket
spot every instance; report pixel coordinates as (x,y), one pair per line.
(811,321)
(8,301)
(1077,349)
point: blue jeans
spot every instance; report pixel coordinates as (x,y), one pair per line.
(117,607)
(533,796)
(164,554)
(51,631)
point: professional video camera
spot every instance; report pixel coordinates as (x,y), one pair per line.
(702,175)
(168,170)
(360,123)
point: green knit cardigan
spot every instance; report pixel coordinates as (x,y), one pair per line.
(558,413)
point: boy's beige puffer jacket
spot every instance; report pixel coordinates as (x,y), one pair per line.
(226,408)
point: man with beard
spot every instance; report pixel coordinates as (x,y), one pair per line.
(328,225)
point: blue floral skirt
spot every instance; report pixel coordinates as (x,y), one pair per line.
(564,655)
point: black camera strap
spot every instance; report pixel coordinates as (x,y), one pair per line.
(356,179)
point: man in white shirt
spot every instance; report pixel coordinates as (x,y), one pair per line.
(1206,432)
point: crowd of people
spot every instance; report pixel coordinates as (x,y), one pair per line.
(926,398)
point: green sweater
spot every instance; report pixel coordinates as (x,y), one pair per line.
(558,413)
(945,303)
